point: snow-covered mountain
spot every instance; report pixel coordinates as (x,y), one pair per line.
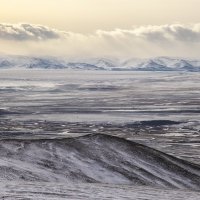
(30,62)
(152,64)
(163,64)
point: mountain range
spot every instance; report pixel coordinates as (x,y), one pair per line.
(135,64)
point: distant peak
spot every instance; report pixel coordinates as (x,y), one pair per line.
(134,64)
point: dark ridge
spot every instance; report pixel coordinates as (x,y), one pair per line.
(159,123)
(153,123)
(94,158)
(6,112)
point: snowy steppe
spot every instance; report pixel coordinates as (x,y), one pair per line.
(98,134)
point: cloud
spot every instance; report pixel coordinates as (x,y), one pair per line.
(174,32)
(143,41)
(24,32)
(163,33)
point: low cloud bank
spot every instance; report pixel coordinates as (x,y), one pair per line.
(24,32)
(144,41)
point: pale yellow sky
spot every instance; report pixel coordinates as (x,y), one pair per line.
(100,28)
(86,16)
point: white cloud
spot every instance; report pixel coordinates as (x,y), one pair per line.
(144,41)
(169,33)
(24,32)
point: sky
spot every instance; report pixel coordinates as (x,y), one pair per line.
(117,28)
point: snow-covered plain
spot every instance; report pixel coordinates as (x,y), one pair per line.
(46,115)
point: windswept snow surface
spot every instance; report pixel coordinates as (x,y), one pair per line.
(87,191)
(152,64)
(79,134)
